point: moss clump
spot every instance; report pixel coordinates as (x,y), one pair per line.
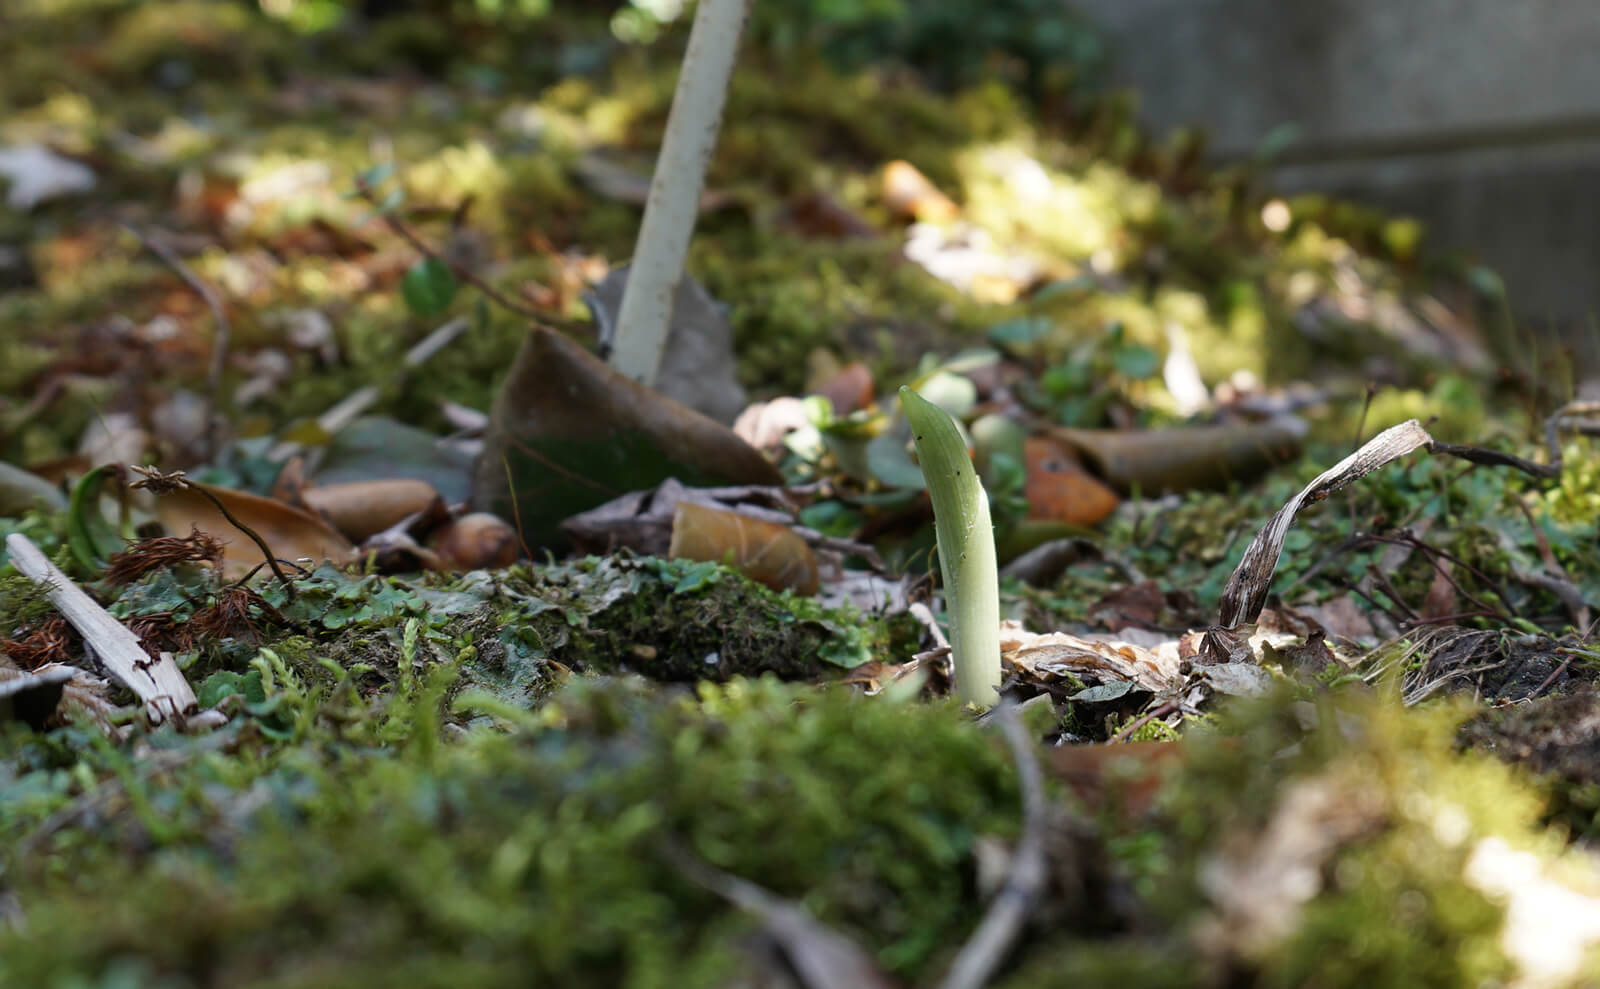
(1557,738)
(1388,815)
(538,857)
(669,620)
(677,620)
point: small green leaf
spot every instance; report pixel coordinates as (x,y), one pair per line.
(377,174)
(1021,335)
(1103,693)
(890,462)
(1136,362)
(429,287)
(90,536)
(696,577)
(217,687)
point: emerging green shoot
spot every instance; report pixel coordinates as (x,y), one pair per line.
(966,548)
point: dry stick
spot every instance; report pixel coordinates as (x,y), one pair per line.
(1387,588)
(817,956)
(461,271)
(516,512)
(1353,588)
(1453,619)
(1406,538)
(1567,419)
(1159,711)
(1355,444)
(158,682)
(645,315)
(987,948)
(1557,580)
(1556,673)
(219,346)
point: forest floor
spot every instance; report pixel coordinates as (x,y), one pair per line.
(459,737)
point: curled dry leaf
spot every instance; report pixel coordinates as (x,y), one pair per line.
(475,541)
(1053,654)
(1246,590)
(1184,458)
(569,433)
(359,509)
(767,552)
(848,389)
(293,533)
(1059,489)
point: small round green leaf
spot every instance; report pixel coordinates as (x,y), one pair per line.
(429,287)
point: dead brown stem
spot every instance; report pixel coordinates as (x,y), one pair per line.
(461,271)
(158,481)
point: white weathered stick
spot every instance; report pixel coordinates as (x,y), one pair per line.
(669,214)
(158,682)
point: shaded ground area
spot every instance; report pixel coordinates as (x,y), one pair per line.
(562,769)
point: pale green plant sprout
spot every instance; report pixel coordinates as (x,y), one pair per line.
(966,549)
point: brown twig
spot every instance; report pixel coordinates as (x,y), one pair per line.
(1570,418)
(1407,538)
(986,949)
(1159,711)
(516,510)
(1459,616)
(1384,585)
(219,346)
(159,482)
(461,271)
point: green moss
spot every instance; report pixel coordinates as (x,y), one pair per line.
(1130,962)
(677,620)
(1557,739)
(541,856)
(1391,904)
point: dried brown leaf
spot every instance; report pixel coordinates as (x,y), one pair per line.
(1246,590)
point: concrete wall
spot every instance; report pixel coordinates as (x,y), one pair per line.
(1480,117)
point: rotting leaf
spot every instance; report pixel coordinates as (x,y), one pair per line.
(1246,590)
(1184,458)
(292,533)
(359,509)
(1238,679)
(569,432)
(1103,693)
(767,552)
(1059,490)
(1055,654)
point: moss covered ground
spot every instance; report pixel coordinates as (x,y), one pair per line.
(512,777)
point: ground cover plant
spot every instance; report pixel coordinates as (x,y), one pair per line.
(493,684)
